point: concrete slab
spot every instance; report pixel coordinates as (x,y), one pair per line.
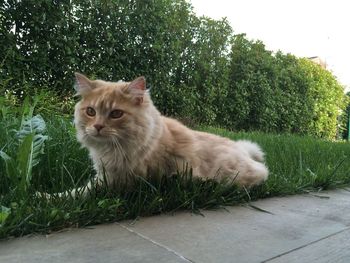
(309,227)
(247,235)
(102,244)
(326,204)
(333,249)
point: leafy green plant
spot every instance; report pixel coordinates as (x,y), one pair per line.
(4,213)
(29,144)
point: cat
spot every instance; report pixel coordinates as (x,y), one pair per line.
(127,137)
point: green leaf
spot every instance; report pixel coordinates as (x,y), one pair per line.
(10,165)
(4,213)
(25,157)
(5,157)
(35,125)
(32,145)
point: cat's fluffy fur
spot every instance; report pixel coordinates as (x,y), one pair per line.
(142,141)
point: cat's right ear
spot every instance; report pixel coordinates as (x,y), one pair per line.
(83,85)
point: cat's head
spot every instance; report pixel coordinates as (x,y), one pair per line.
(110,110)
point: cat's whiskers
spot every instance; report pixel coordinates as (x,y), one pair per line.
(85,135)
(127,161)
(117,152)
(118,148)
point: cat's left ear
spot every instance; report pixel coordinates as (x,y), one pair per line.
(137,88)
(83,84)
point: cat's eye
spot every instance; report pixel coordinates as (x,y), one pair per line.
(116,114)
(90,112)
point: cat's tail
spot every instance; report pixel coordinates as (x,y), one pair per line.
(253,150)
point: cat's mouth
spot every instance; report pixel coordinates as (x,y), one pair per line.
(101,139)
(98,136)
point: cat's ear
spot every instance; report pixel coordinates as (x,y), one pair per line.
(83,84)
(137,88)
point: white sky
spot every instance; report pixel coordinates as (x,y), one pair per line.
(304,28)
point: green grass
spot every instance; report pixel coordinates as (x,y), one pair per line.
(296,164)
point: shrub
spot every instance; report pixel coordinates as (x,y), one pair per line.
(326,97)
(196,67)
(280,93)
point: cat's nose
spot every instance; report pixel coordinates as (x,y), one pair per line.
(98,127)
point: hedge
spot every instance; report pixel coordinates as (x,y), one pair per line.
(195,66)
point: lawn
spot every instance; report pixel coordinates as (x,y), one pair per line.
(42,154)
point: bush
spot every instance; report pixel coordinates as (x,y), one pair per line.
(326,96)
(280,93)
(343,119)
(196,67)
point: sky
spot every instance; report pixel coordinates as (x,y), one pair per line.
(305,28)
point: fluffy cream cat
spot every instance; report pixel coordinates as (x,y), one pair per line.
(127,136)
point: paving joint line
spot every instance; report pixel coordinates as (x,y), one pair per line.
(156,243)
(306,245)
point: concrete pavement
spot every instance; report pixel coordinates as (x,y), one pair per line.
(302,228)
